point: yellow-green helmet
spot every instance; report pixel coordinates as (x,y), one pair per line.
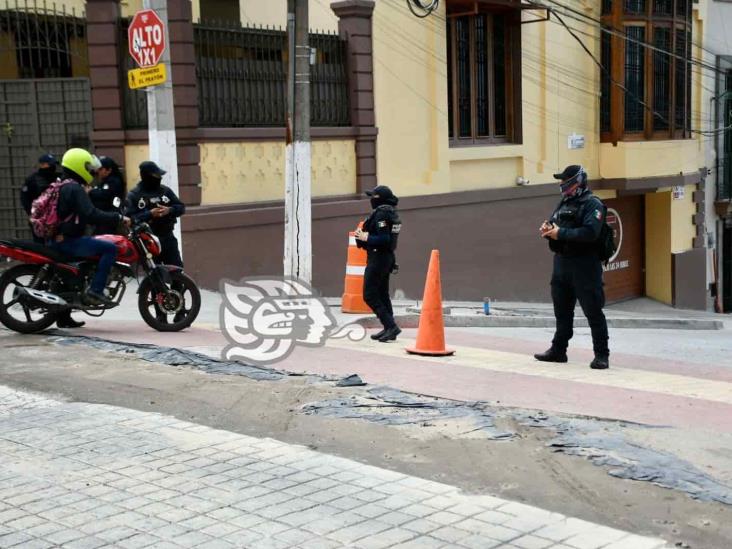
(82,163)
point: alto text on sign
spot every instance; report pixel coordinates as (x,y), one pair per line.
(150,76)
(146,36)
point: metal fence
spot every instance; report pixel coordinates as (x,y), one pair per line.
(41,40)
(242,78)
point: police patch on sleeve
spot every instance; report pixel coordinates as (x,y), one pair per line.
(598,215)
(165,199)
(381,224)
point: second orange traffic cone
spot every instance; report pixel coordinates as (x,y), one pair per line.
(431,332)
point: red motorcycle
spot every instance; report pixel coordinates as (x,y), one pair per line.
(48,282)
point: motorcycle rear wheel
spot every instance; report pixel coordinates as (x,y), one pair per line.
(12,278)
(153,304)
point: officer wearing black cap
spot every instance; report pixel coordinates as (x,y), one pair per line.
(37,182)
(573,232)
(109,192)
(154,203)
(379,236)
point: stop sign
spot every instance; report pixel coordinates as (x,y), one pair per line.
(146,37)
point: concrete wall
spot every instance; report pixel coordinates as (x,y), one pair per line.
(254,172)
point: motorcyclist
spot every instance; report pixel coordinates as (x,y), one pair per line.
(76,211)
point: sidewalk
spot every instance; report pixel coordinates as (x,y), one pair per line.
(87,475)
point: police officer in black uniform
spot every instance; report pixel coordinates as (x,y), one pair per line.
(379,236)
(37,182)
(32,188)
(573,232)
(108,194)
(152,202)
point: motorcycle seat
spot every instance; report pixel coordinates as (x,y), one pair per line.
(41,249)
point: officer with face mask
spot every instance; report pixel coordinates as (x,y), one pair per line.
(573,232)
(154,203)
(38,181)
(379,237)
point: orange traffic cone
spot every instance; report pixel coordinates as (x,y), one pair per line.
(431,333)
(352,299)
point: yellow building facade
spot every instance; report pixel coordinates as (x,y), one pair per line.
(557,109)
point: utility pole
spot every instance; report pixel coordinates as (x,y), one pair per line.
(298,217)
(161,117)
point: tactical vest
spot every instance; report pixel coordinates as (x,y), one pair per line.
(570,215)
(388,215)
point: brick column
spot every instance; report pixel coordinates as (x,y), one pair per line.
(185,99)
(355,25)
(102,35)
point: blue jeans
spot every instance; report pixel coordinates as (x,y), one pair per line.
(88,247)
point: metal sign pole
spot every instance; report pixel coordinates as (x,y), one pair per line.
(161,117)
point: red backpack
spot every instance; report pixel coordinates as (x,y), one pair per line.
(44,211)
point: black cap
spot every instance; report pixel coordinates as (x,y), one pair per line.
(569,172)
(108,162)
(380,191)
(48,159)
(151,168)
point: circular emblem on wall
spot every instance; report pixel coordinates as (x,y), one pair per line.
(616,224)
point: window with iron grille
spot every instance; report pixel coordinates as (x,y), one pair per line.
(483,72)
(242,75)
(649,54)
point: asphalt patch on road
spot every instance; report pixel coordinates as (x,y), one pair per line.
(604,444)
(387,406)
(176,357)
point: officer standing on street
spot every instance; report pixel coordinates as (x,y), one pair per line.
(37,182)
(154,203)
(573,232)
(109,192)
(379,236)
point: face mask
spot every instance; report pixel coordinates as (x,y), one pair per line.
(48,173)
(150,182)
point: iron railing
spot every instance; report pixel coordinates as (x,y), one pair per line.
(43,40)
(242,78)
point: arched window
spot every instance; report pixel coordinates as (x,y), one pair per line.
(648,52)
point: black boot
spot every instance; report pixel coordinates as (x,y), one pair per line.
(600,363)
(378,335)
(65,321)
(390,334)
(96,299)
(551,355)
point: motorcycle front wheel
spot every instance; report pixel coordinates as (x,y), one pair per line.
(18,312)
(173,308)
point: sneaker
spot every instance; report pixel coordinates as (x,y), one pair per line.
(378,335)
(390,334)
(600,363)
(551,355)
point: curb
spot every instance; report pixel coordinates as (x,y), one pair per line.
(483,321)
